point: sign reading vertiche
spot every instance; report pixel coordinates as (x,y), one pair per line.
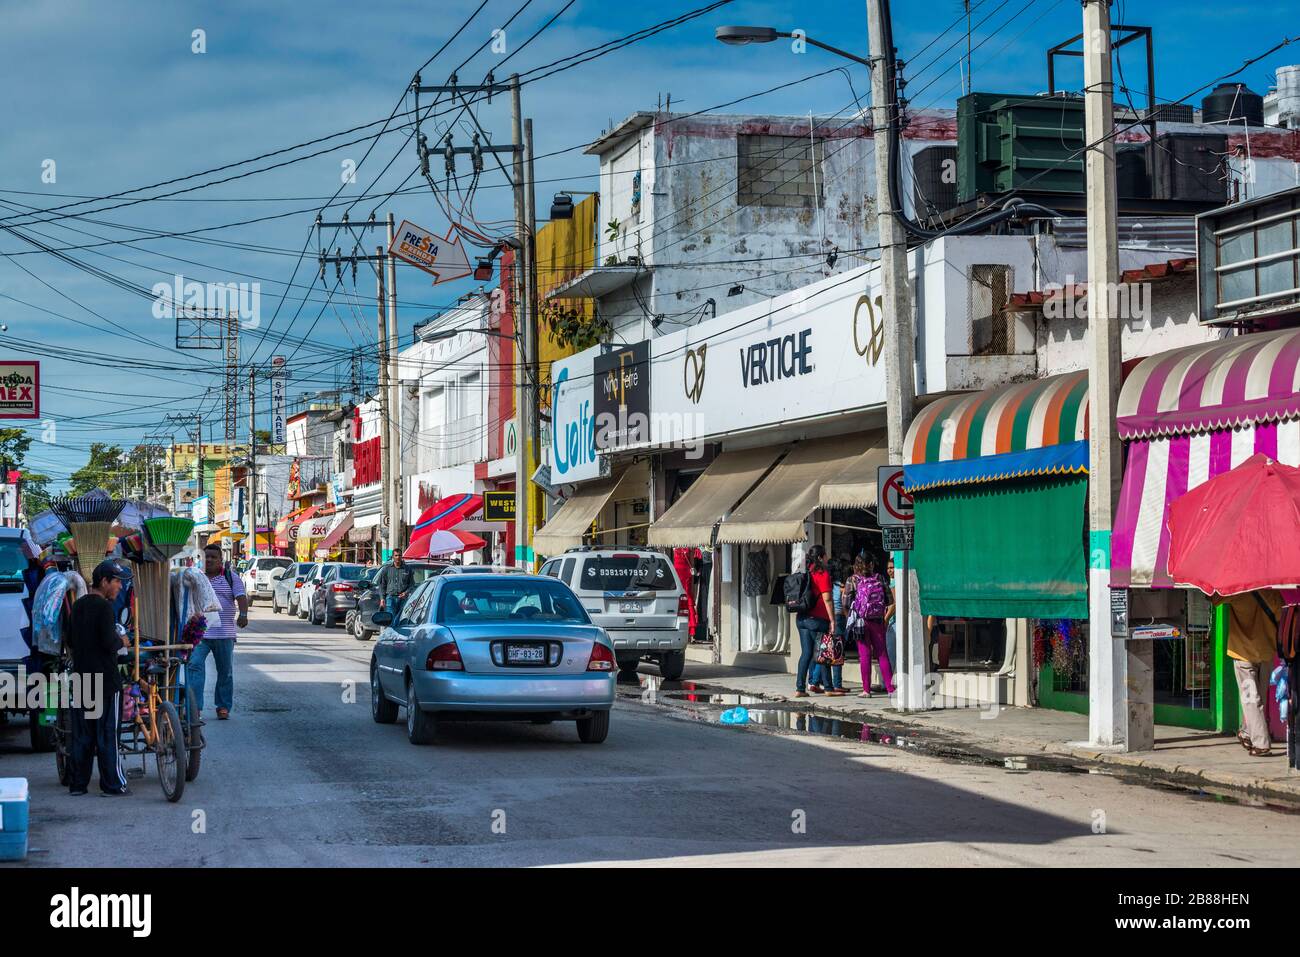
(20,390)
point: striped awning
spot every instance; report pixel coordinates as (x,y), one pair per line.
(1029,428)
(1188,416)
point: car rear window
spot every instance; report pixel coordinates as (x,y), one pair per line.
(263,563)
(479,601)
(627,572)
(350,573)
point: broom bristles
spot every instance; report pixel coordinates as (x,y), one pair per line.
(92,544)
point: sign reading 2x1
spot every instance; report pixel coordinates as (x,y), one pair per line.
(443,258)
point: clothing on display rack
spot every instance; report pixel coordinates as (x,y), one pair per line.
(754,581)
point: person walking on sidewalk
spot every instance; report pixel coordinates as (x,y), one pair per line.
(830,658)
(871,603)
(393,582)
(219,642)
(1252,646)
(94,640)
(817,620)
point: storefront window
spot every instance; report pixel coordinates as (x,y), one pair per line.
(1061,645)
(971,644)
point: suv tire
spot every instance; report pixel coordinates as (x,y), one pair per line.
(672,664)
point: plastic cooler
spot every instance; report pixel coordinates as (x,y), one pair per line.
(13,819)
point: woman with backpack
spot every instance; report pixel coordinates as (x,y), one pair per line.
(814,617)
(871,602)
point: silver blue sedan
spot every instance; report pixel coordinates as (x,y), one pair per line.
(492,647)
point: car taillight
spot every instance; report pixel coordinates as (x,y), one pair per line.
(445,658)
(297,584)
(683,606)
(340,586)
(602,658)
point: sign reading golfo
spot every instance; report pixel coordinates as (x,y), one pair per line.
(20,390)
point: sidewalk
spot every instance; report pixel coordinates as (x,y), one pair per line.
(1182,755)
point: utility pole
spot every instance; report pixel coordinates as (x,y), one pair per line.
(523,323)
(251,484)
(385,424)
(394,461)
(900,343)
(1119,713)
(530,441)
(525,397)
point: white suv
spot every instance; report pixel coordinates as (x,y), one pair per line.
(634,594)
(260,575)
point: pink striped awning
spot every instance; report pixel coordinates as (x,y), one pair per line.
(1189,415)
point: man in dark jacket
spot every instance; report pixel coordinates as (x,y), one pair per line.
(393,582)
(94,640)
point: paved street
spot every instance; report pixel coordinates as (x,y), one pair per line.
(302,776)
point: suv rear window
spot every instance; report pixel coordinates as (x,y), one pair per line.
(626,573)
(265,563)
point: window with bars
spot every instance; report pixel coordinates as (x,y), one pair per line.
(993,329)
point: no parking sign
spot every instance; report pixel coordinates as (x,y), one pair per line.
(894,511)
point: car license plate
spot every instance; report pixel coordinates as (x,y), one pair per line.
(631,607)
(525,654)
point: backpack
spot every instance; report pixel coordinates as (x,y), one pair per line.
(869,599)
(798,593)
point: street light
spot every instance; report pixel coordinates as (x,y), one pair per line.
(741,36)
(442,334)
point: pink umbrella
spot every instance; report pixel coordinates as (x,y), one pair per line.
(443,542)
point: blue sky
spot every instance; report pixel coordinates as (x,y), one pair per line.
(115,96)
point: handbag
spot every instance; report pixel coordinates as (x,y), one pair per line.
(830,650)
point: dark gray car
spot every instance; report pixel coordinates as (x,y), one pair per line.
(335,594)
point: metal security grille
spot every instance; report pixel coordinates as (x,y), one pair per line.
(992,328)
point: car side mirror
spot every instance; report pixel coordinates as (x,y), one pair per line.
(382,618)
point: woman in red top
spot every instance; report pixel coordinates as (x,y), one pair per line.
(819,620)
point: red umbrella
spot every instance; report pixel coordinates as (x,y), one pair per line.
(445,513)
(443,542)
(1240,531)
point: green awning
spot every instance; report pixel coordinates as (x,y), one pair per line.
(1009,549)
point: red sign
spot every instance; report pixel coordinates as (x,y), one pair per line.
(367,466)
(20,390)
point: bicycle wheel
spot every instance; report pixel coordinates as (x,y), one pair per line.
(193,738)
(170,751)
(62,741)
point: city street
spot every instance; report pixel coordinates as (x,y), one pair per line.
(301,775)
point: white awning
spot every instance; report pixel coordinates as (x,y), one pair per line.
(775,512)
(855,486)
(567,526)
(728,479)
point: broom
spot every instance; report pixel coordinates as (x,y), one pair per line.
(163,538)
(90,520)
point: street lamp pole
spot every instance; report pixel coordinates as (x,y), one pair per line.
(896,297)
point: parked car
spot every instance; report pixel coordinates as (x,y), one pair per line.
(487,646)
(261,574)
(284,596)
(366,580)
(12,563)
(336,594)
(308,589)
(363,627)
(635,595)
(482,570)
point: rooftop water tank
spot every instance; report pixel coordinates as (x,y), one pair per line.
(1233,101)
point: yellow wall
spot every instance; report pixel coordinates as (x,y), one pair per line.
(565,248)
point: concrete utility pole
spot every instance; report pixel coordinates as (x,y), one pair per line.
(395,521)
(530,442)
(1118,714)
(523,333)
(251,484)
(900,338)
(385,431)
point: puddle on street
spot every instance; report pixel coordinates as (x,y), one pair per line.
(729,708)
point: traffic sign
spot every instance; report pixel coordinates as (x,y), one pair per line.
(441,257)
(895,505)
